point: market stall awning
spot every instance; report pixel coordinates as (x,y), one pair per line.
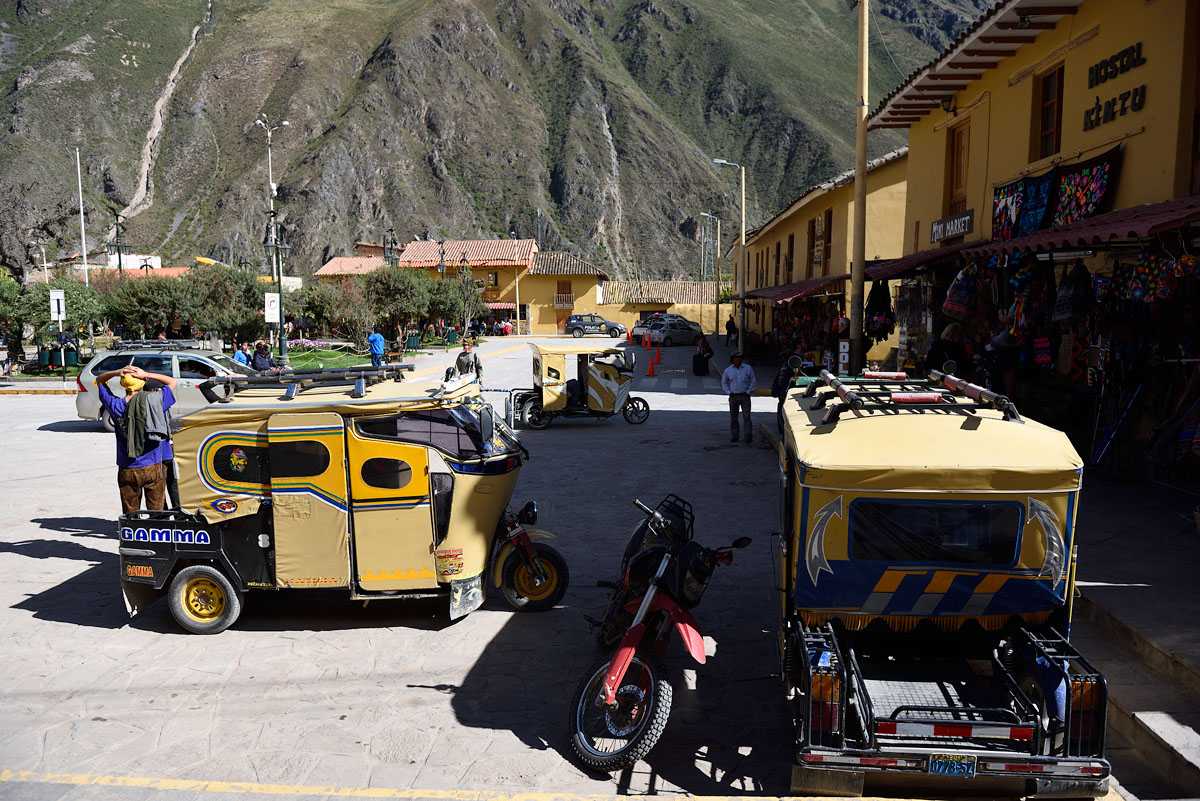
(799,289)
(502,306)
(887,269)
(1138,222)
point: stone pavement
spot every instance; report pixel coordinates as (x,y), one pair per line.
(308,691)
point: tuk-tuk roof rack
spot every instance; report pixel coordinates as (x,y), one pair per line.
(896,393)
(298,381)
(164,344)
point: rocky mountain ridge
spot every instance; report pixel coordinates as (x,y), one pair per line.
(590,124)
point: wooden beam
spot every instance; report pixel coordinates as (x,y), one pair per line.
(974,65)
(948,90)
(923,104)
(1008,39)
(970,76)
(1046,11)
(1028,26)
(987,53)
(891,125)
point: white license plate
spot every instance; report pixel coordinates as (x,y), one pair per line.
(961,766)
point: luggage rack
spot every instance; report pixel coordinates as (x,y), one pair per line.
(891,393)
(298,381)
(163,344)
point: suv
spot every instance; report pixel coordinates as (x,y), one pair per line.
(674,332)
(580,324)
(184,360)
(658,318)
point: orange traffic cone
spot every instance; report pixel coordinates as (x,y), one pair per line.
(650,372)
(658,355)
(629,335)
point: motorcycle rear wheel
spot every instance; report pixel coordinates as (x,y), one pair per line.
(614,739)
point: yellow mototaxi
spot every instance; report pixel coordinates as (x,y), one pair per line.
(349,481)
(577,380)
(925,571)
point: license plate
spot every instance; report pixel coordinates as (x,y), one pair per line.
(961,766)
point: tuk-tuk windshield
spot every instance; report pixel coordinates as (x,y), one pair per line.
(454,431)
(974,533)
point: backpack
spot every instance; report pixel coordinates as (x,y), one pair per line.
(961,297)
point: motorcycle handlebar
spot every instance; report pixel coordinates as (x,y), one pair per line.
(643,506)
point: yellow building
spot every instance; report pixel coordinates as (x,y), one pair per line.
(799,261)
(1054,166)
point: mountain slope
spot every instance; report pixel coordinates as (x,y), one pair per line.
(591,125)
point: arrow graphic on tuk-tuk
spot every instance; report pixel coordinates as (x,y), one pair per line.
(815,554)
(1056,552)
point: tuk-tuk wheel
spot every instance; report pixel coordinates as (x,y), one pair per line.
(203,601)
(636,411)
(519,580)
(533,416)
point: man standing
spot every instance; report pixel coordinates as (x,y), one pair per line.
(738,383)
(139,459)
(468,362)
(730,331)
(242,355)
(375,344)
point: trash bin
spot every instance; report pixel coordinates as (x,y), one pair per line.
(43,358)
(412,343)
(55,358)
(72,358)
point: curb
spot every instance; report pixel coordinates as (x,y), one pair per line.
(39,391)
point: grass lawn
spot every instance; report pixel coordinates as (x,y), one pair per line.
(324,357)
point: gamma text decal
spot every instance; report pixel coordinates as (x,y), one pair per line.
(166,535)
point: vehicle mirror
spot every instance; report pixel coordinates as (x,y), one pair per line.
(949,367)
(487,423)
(795,364)
(741,542)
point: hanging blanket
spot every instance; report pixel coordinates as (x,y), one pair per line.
(1006,209)
(1084,189)
(1036,203)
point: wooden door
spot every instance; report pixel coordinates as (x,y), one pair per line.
(959,138)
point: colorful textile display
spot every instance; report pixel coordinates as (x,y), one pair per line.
(1006,209)
(1083,189)
(1036,204)
(1153,276)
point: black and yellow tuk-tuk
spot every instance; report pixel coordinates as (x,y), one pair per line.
(596,383)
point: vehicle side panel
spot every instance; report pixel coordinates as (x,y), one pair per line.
(312,547)
(550,373)
(607,387)
(222,466)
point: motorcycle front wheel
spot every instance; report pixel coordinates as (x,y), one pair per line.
(611,739)
(519,580)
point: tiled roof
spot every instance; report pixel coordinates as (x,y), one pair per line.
(350,265)
(479,252)
(558,262)
(996,35)
(668,292)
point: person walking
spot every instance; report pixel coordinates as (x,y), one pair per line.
(139,425)
(243,354)
(738,383)
(262,359)
(731,331)
(469,362)
(375,344)
(783,380)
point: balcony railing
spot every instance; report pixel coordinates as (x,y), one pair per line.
(491,295)
(564,301)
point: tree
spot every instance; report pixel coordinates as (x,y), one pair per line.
(84,305)
(399,294)
(9,325)
(319,303)
(226,300)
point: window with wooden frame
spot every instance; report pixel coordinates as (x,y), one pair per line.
(828,248)
(493,279)
(1047,114)
(957,151)
(791,257)
(778,262)
(815,243)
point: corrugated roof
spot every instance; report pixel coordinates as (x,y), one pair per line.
(886,269)
(998,33)
(1138,222)
(799,289)
(558,262)
(661,292)
(478,252)
(350,265)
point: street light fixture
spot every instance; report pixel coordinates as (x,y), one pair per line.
(277,250)
(441,267)
(117,246)
(745,254)
(391,249)
(146,265)
(265,124)
(464,276)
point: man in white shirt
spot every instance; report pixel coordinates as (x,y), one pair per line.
(738,383)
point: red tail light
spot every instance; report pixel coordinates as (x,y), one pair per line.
(82,388)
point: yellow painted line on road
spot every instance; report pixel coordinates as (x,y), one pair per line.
(256,788)
(39,392)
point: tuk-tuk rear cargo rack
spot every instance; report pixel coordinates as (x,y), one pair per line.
(892,393)
(297,381)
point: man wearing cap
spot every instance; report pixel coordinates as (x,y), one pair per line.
(139,458)
(468,362)
(262,359)
(738,383)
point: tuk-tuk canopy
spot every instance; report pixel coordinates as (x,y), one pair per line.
(583,348)
(928,450)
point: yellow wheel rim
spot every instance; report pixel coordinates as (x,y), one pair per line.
(525,581)
(203,599)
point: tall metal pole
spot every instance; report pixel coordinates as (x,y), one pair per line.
(858,350)
(717,270)
(745,260)
(83,244)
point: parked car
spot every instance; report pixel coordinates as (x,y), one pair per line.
(674,332)
(644,326)
(184,360)
(580,324)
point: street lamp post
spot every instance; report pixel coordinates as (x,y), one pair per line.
(117,246)
(464,275)
(276,250)
(146,266)
(745,255)
(391,249)
(265,124)
(715,250)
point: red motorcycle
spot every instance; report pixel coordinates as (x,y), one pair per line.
(621,706)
